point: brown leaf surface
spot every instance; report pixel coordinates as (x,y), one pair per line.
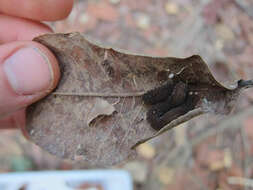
(100,108)
(60,123)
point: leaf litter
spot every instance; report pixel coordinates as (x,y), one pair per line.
(100,108)
(100,112)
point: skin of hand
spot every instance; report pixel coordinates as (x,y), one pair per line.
(28,70)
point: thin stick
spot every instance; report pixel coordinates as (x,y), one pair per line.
(97,94)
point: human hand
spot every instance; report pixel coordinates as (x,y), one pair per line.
(28,70)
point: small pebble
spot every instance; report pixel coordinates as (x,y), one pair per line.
(143,21)
(171,75)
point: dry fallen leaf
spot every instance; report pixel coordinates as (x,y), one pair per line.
(100,108)
(91,73)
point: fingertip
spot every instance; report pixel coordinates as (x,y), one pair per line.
(53,65)
(39,10)
(14,121)
(31,70)
(28,72)
(20,122)
(19,29)
(67,8)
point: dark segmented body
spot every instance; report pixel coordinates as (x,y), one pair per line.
(176,103)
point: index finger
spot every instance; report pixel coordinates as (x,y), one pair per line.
(40,10)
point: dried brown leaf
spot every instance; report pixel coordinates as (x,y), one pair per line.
(101,107)
(90,73)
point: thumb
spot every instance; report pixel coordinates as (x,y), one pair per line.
(28,72)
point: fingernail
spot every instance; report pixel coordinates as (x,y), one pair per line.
(28,71)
